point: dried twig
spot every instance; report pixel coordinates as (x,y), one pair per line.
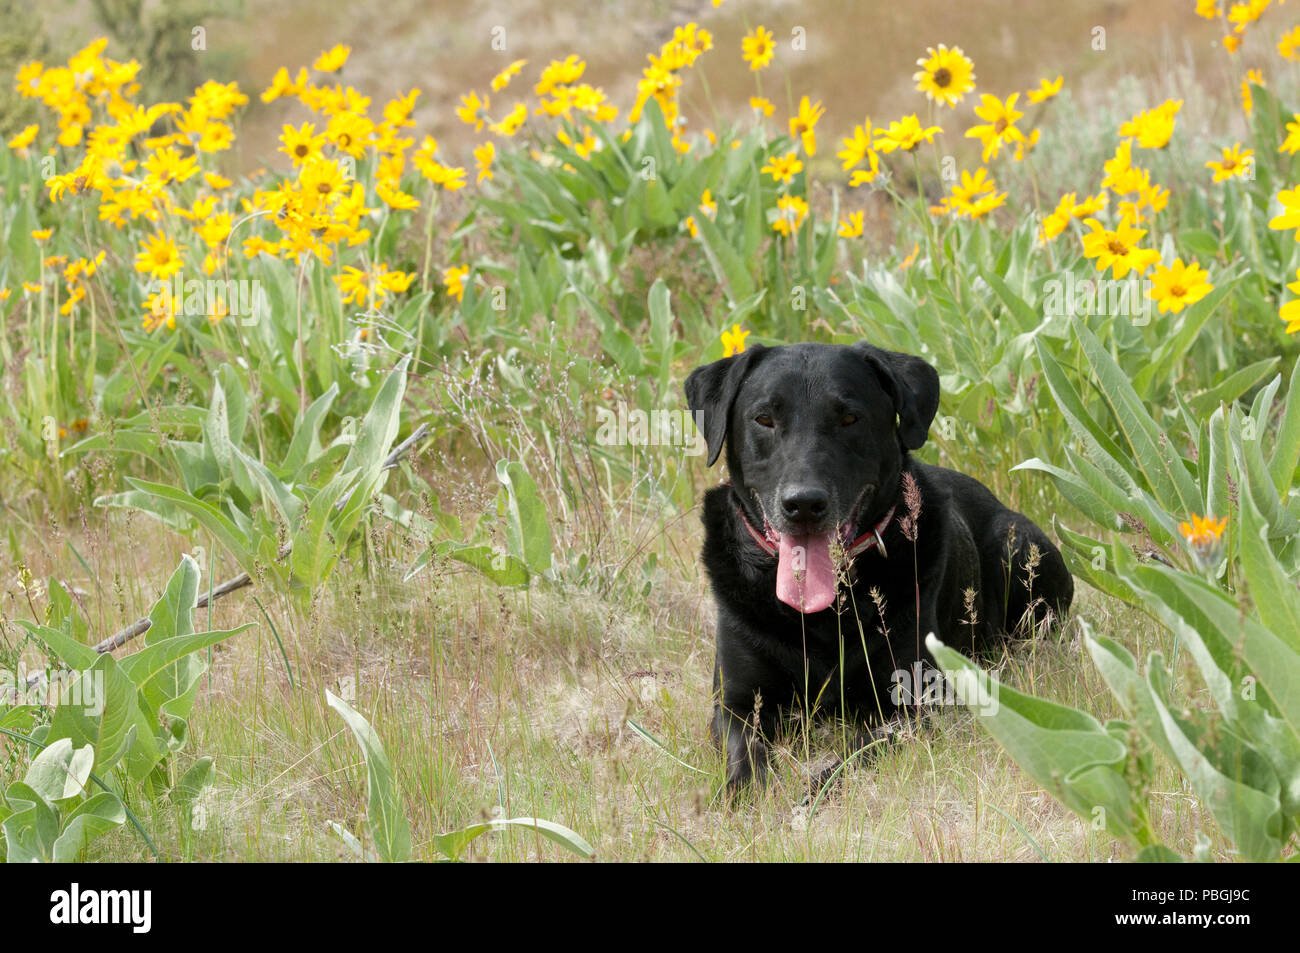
(390,461)
(141,626)
(118,639)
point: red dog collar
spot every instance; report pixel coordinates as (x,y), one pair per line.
(867,540)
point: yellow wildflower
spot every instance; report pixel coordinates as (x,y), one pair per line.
(946,75)
(757,48)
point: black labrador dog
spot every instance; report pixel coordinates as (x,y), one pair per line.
(832,552)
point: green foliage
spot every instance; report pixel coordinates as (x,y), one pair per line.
(1132,474)
(390,831)
(306,509)
(1234,606)
(116,724)
(51,814)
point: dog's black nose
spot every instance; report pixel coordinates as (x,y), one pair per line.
(805,503)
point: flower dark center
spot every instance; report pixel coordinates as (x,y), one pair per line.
(942,77)
(1116,247)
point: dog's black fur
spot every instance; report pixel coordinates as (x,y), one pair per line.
(834,425)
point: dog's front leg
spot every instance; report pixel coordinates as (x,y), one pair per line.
(741,738)
(742,720)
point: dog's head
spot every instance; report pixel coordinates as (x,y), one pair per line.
(816,437)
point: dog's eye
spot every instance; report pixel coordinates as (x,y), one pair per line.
(848,420)
(764,420)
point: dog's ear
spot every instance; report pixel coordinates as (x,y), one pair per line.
(712,389)
(914,385)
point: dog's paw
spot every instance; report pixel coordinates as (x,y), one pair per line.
(747,763)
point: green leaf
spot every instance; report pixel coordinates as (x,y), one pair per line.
(753,226)
(623,348)
(528,534)
(453,845)
(1026,318)
(687,192)
(1286,448)
(1249,457)
(502,568)
(1231,387)
(191,785)
(62,611)
(143,754)
(379,427)
(1081,553)
(743,310)
(1234,643)
(218,438)
(96,815)
(73,653)
(1163,470)
(661,317)
(1158,854)
(728,266)
(313,554)
(305,445)
(22,250)
(105,715)
(1232,780)
(1064,750)
(1082,496)
(33,827)
(1272,590)
(375,437)
(388,825)
(1103,450)
(153,669)
(209,517)
(60,770)
(276,496)
(1119,670)
(1217,492)
(141,443)
(350,841)
(1200,243)
(172,614)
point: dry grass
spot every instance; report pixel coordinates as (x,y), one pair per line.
(521,703)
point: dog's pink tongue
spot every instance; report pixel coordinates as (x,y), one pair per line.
(805,576)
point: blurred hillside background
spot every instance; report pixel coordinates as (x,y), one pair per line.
(858,56)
